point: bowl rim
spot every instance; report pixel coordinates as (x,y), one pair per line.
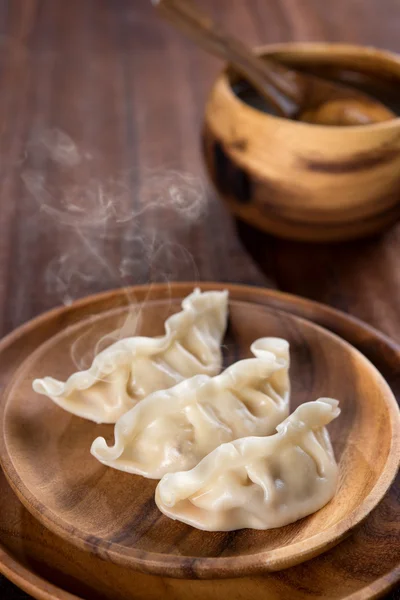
(307,49)
(221,567)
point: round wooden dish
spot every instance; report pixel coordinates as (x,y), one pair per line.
(302,181)
(45,454)
(48,567)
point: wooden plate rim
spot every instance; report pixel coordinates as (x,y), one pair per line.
(29,582)
(191,567)
(17,572)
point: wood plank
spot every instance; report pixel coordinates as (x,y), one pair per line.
(81,89)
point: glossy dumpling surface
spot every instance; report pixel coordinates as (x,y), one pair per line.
(259,482)
(173,429)
(132,368)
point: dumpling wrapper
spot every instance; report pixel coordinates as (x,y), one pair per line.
(132,368)
(259,482)
(173,429)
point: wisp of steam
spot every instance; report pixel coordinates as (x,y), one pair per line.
(110,235)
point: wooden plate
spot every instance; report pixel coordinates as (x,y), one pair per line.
(38,561)
(45,453)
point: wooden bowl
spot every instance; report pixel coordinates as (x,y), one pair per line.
(45,455)
(302,181)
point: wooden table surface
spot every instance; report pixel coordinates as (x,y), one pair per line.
(101,178)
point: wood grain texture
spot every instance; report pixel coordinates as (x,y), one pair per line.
(99,72)
(348,571)
(44,452)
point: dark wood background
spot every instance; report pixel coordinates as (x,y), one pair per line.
(101,178)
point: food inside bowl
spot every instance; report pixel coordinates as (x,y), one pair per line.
(383,87)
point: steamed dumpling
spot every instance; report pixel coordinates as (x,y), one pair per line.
(259,482)
(130,369)
(173,429)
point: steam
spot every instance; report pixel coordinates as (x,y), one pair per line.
(59,146)
(109,230)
